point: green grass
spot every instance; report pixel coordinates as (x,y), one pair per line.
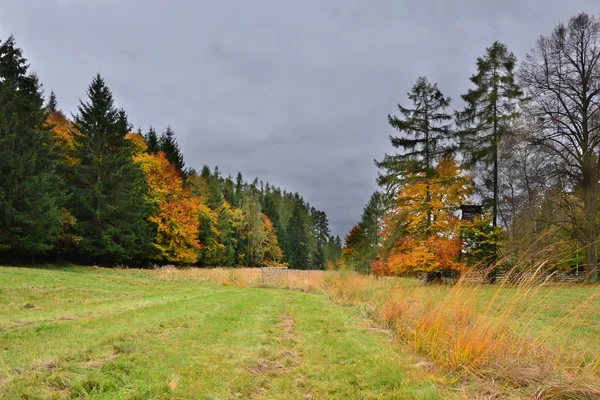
(110,334)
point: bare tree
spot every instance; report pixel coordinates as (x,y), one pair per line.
(561,75)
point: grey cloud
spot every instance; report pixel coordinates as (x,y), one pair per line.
(296,93)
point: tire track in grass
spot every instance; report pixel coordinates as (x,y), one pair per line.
(279,363)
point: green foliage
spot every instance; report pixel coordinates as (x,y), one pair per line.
(167,143)
(152,141)
(424,136)
(108,189)
(490,108)
(297,250)
(31,191)
(480,241)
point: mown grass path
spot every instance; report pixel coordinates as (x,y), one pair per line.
(110,334)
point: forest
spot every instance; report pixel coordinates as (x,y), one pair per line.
(90,189)
(524,148)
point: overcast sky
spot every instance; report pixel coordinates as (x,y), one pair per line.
(293,92)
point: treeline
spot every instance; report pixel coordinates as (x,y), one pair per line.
(87,189)
(525,147)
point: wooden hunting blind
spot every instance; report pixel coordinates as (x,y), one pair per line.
(470,211)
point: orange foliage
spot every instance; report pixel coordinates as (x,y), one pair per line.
(64,136)
(422,229)
(433,254)
(176,211)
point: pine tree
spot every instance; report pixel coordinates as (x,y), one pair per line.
(152,141)
(30,188)
(108,189)
(168,144)
(297,251)
(491,106)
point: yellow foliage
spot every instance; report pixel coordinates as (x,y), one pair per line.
(64,133)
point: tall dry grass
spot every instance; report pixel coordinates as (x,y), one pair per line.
(524,333)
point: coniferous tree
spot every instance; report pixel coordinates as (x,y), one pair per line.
(228,190)
(321,235)
(425,136)
(239,185)
(168,144)
(52,105)
(30,188)
(108,189)
(490,108)
(297,250)
(270,210)
(152,141)
(369,225)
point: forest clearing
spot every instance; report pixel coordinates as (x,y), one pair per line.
(89,332)
(394,216)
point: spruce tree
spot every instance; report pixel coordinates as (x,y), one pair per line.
(271,211)
(425,135)
(168,144)
(239,186)
(52,105)
(152,141)
(490,108)
(30,188)
(108,189)
(369,225)
(297,250)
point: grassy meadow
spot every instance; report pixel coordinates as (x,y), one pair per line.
(88,332)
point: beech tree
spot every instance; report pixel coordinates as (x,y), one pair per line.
(175,212)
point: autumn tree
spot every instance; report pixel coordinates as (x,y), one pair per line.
(175,215)
(272,254)
(561,75)
(31,192)
(426,245)
(107,188)
(251,230)
(490,109)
